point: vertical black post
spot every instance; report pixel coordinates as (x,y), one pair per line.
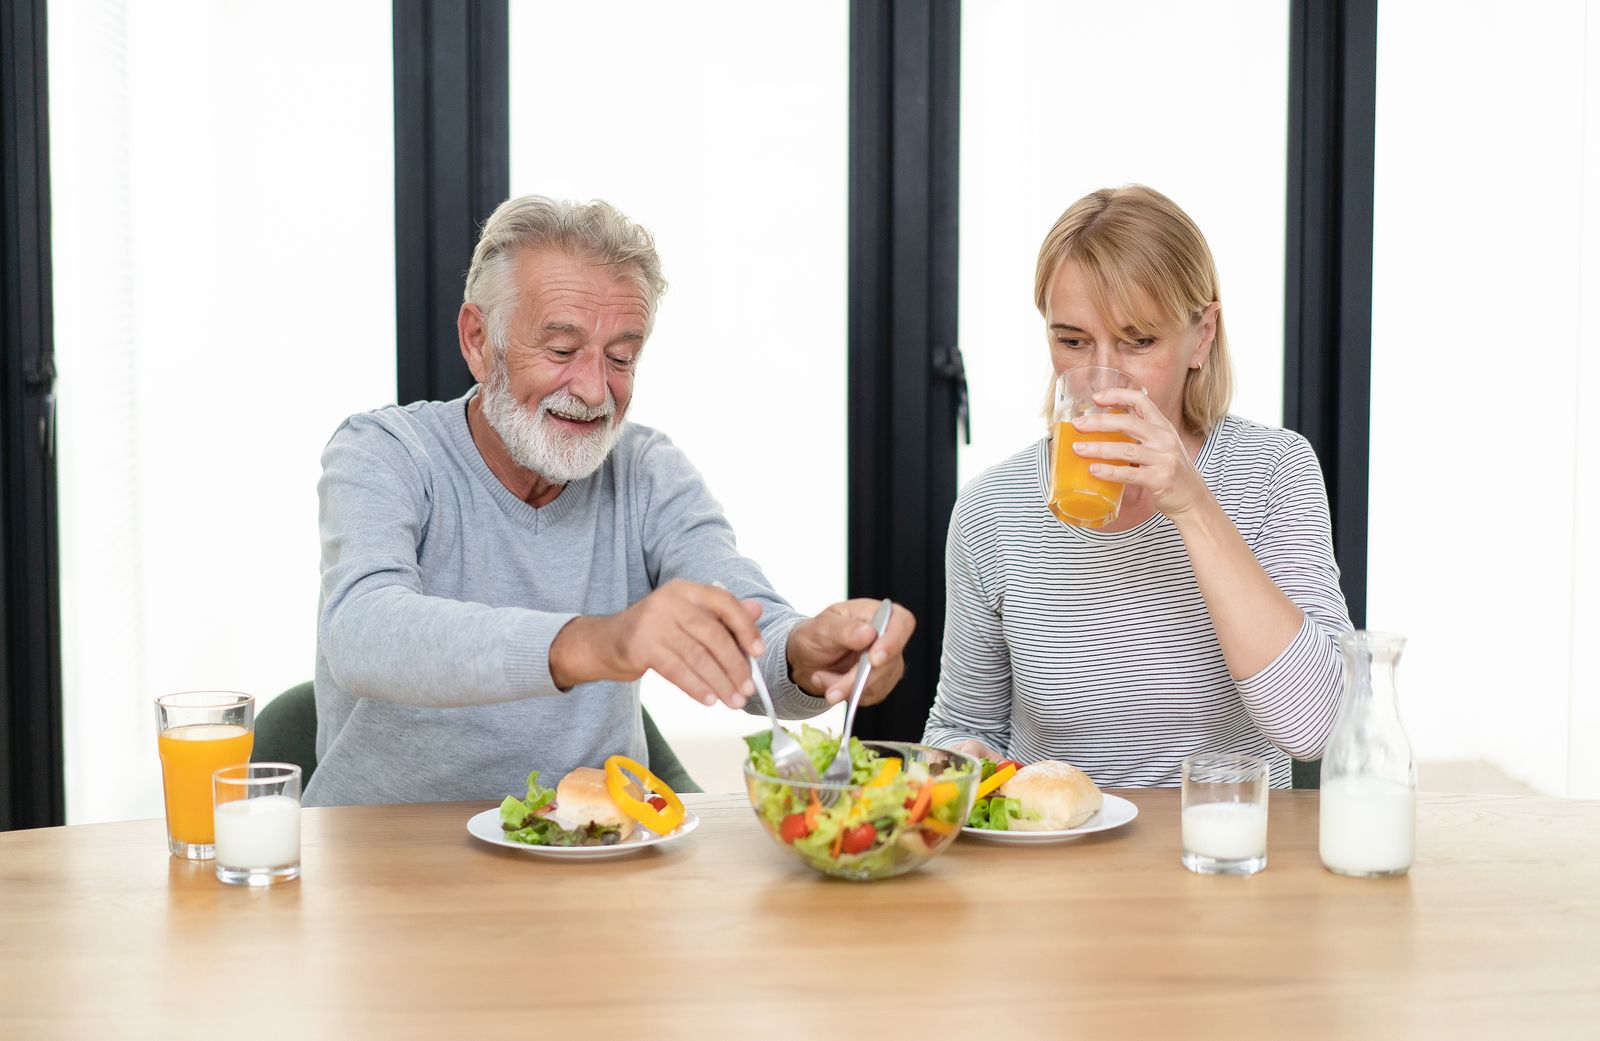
(1327,371)
(1327,365)
(905,61)
(452,150)
(31,781)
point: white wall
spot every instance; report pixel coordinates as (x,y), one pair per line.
(1061,97)
(1583,740)
(1484,472)
(222,190)
(722,127)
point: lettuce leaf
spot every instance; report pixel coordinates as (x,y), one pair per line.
(516,813)
(820,747)
(997,812)
(546,832)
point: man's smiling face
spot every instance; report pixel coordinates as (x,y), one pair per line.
(559,391)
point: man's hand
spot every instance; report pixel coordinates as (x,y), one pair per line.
(823,650)
(695,636)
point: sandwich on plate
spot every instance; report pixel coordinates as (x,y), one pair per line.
(591,807)
(1044,796)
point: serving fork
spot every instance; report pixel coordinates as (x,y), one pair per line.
(838,771)
(789,760)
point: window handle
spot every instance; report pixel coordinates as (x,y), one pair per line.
(40,376)
(947,363)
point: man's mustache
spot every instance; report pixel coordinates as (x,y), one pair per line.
(569,405)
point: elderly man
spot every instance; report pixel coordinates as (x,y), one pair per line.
(499,570)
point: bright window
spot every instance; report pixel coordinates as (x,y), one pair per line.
(1061,97)
(1486,295)
(222,187)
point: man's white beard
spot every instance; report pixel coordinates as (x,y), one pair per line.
(536,443)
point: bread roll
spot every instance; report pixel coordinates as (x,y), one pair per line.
(581,798)
(1060,793)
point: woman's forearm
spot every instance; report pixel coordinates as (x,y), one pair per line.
(1253,618)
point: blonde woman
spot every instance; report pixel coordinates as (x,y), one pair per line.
(1204,617)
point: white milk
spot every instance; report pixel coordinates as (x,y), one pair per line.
(258,833)
(1369,826)
(1225,830)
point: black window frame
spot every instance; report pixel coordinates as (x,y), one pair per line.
(32,777)
(906,389)
(1327,360)
(452,167)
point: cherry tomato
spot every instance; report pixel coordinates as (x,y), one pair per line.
(658,802)
(858,839)
(1002,764)
(793,827)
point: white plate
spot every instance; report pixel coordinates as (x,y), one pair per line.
(486,826)
(1115,811)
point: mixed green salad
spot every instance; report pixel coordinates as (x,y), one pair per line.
(525,820)
(892,818)
(996,812)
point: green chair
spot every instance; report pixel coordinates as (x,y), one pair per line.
(664,761)
(1307,774)
(286,732)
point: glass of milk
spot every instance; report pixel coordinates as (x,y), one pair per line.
(256,811)
(1225,813)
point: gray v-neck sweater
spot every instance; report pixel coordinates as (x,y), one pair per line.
(442,591)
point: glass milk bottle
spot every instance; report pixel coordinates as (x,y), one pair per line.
(1369,780)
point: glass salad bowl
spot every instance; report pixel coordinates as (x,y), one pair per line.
(904,803)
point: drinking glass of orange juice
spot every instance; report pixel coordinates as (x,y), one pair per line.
(198,733)
(1077,496)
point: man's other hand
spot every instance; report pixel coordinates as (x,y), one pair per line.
(823,650)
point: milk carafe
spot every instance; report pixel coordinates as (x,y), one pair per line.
(1369,781)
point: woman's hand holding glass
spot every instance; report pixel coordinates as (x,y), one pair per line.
(1156,461)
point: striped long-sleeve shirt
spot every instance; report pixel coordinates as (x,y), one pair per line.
(1066,643)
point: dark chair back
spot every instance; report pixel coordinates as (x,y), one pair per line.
(286,732)
(664,762)
(1307,774)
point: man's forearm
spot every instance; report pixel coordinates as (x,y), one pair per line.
(395,645)
(583,651)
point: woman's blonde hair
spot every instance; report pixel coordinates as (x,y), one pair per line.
(1138,251)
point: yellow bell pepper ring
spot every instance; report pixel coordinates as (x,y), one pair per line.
(658,821)
(996,779)
(944,793)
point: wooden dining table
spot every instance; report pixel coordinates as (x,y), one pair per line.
(403,925)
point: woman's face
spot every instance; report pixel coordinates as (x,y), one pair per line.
(1161,359)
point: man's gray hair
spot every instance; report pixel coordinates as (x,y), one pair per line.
(595,231)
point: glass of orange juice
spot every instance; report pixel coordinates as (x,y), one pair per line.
(198,733)
(1077,496)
